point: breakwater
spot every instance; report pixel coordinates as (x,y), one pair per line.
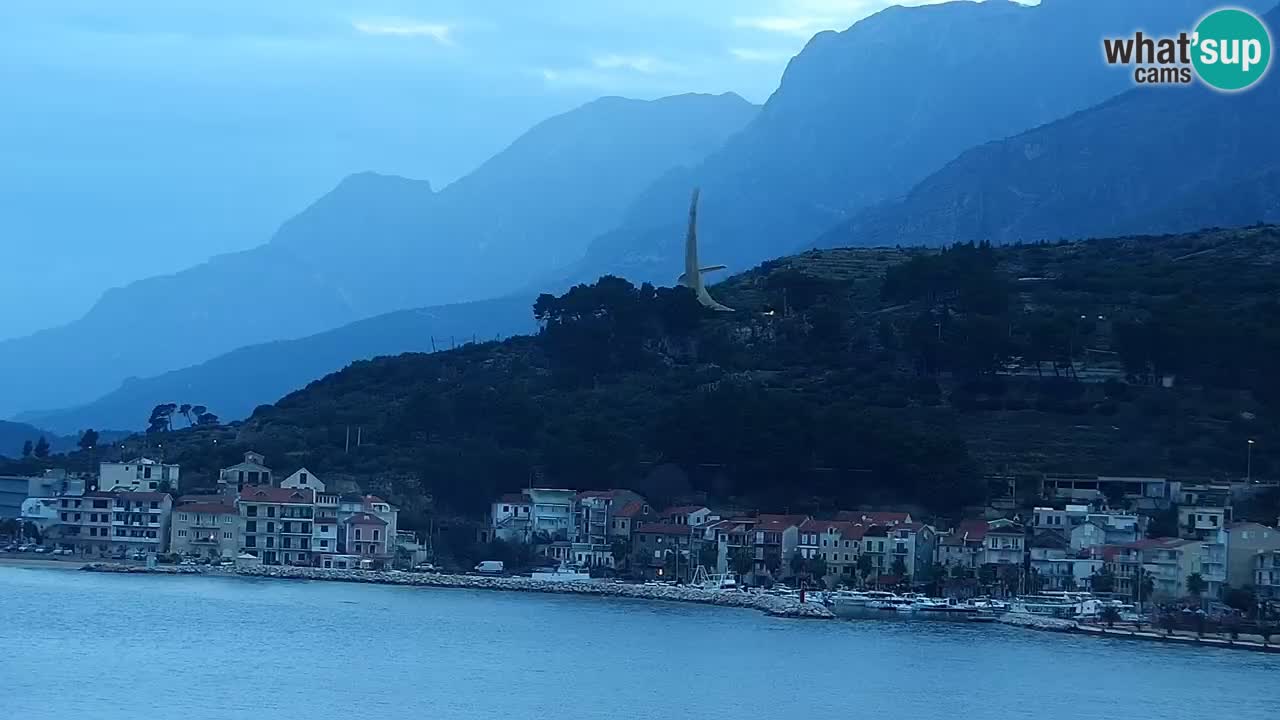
(769,604)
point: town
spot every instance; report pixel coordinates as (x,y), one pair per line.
(1143,539)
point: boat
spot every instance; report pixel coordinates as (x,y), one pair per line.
(563,573)
(1060,605)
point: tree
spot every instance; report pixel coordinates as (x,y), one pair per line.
(817,568)
(865,566)
(741,561)
(1110,615)
(899,567)
(206,418)
(185,411)
(1196,584)
(796,563)
(959,571)
(1103,582)
(42,448)
(619,550)
(709,556)
(1146,585)
(161,419)
(1010,575)
(88,439)
(1242,598)
(27,449)
(987,574)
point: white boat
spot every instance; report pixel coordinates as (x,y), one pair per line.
(1066,606)
(563,573)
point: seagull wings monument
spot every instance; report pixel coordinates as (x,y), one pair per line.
(692,275)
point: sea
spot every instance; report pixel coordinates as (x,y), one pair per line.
(77,645)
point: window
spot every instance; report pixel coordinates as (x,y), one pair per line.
(324,544)
(251,526)
(155,505)
(226,535)
(226,519)
(271,527)
(182,517)
(271,542)
(182,533)
(287,542)
(152,485)
(375,536)
(303,478)
(251,541)
(251,510)
(357,533)
(506,508)
(324,528)
(271,511)
(66,503)
(64,517)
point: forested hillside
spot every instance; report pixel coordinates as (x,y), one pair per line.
(846,376)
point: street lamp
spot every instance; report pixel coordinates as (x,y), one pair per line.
(1248,472)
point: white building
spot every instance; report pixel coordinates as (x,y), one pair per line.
(139,474)
(210,530)
(250,472)
(303,478)
(140,522)
(551,513)
(324,529)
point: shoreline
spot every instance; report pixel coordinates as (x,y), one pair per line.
(768,604)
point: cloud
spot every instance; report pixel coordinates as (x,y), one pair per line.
(799,26)
(636,63)
(759,55)
(439,32)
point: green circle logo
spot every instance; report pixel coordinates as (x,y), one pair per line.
(1232,49)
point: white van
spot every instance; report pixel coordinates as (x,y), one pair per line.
(490,567)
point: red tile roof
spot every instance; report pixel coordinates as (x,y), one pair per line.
(874,517)
(265,494)
(631,509)
(207,507)
(364,518)
(663,529)
(684,509)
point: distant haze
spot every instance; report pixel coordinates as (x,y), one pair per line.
(143,136)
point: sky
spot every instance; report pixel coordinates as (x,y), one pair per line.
(139,137)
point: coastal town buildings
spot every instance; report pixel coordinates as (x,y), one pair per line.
(205,529)
(138,474)
(276,524)
(1243,541)
(303,478)
(140,522)
(1266,574)
(251,471)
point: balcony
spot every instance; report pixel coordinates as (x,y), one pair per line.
(204,540)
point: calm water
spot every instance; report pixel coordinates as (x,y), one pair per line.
(80,645)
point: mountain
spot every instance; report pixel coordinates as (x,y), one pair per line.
(859,375)
(14,435)
(1153,160)
(233,384)
(863,115)
(376,244)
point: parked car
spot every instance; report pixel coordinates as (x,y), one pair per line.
(63,551)
(11,548)
(42,549)
(138,556)
(426,567)
(26,547)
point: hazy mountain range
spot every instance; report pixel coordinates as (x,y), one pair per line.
(859,145)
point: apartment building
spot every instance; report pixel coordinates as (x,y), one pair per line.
(277,524)
(205,529)
(139,474)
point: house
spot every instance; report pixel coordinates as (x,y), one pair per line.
(1266,574)
(351,505)
(594,521)
(511,517)
(1003,544)
(303,478)
(666,550)
(774,539)
(732,539)
(365,535)
(205,529)
(962,545)
(1057,567)
(1089,534)
(276,523)
(687,515)
(627,517)
(551,516)
(884,518)
(1244,540)
(324,523)
(837,542)
(137,474)
(84,522)
(140,522)
(914,543)
(250,472)
(1204,509)
(1146,493)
